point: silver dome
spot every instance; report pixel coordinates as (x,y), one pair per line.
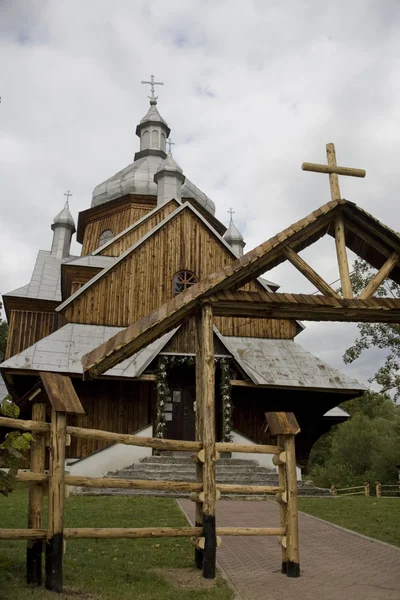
(138,178)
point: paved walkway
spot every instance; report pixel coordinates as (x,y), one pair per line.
(335,564)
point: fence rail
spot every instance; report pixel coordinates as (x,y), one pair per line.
(54,435)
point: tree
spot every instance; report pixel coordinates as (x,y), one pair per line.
(377,335)
(364,448)
(13,449)
(3,337)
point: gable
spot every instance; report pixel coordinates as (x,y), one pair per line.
(127,238)
(142,279)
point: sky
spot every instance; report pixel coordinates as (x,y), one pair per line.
(252,90)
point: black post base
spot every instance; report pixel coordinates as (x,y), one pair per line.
(284,568)
(292,569)
(54,563)
(210,549)
(34,563)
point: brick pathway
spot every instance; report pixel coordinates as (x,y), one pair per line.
(335,564)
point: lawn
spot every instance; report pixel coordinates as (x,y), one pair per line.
(375,517)
(111,569)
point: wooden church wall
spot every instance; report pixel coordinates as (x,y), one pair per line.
(143,280)
(111,405)
(130,238)
(27,327)
(116,221)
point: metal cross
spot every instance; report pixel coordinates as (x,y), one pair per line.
(231,212)
(333,171)
(170,143)
(68,194)
(152,83)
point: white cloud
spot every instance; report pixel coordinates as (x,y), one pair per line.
(251,91)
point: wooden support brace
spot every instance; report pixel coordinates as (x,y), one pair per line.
(201,542)
(200,457)
(54,541)
(199,496)
(279,459)
(309,273)
(35,512)
(379,278)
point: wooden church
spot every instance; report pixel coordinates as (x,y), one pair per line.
(148,235)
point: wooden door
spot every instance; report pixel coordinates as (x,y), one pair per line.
(180,412)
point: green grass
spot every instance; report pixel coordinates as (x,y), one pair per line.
(108,569)
(375,517)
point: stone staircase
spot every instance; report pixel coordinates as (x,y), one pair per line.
(172,467)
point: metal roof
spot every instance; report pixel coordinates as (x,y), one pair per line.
(45,283)
(336,411)
(284,363)
(138,178)
(94,261)
(3,388)
(62,351)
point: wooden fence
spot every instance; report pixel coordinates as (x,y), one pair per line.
(387,490)
(205,491)
(356,490)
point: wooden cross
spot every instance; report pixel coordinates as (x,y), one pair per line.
(333,171)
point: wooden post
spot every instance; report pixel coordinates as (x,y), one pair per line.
(207,374)
(198,552)
(54,540)
(35,511)
(292,528)
(342,258)
(378,489)
(283,505)
(334,489)
(366,488)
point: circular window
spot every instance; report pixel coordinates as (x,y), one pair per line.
(182,281)
(105,237)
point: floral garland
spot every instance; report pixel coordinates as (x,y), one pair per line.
(226,396)
(163,391)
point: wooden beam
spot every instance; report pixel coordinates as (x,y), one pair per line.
(233,488)
(24,425)
(198,552)
(252,449)
(61,393)
(309,273)
(282,423)
(292,525)
(132,484)
(35,510)
(22,534)
(332,169)
(55,526)
(206,366)
(379,278)
(110,533)
(341,253)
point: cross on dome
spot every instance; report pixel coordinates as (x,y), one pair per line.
(170,143)
(152,83)
(231,212)
(68,193)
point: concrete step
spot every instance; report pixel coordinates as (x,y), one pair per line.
(173,460)
(189,469)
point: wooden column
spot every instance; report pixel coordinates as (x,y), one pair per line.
(207,373)
(35,511)
(342,258)
(54,541)
(292,527)
(283,503)
(198,552)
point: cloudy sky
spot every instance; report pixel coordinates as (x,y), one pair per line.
(252,89)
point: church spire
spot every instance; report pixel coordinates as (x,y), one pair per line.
(152,129)
(63,227)
(233,236)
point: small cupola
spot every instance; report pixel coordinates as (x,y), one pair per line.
(169,179)
(63,229)
(233,236)
(152,130)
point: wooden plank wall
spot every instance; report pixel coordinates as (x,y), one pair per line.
(111,405)
(27,327)
(130,238)
(143,280)
(116,221)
